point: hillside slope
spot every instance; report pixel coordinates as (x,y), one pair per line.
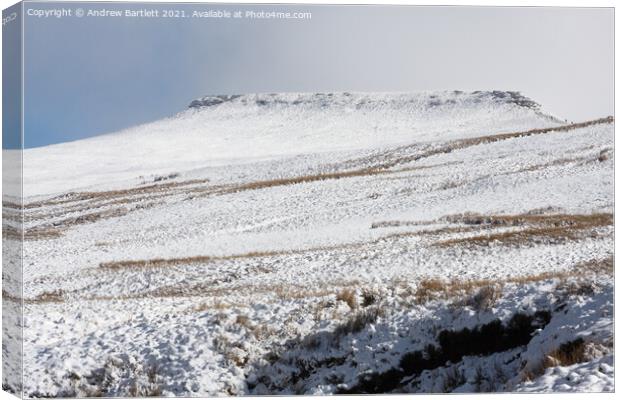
(238,129)
(470,249)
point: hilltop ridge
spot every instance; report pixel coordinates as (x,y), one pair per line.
(237,129)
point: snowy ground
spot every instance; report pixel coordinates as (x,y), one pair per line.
(322,244)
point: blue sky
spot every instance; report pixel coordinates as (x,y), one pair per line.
(11,80)
(88,76)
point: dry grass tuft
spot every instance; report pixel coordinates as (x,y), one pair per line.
(569,353)
(244,321)
(358,321)
(434,288)
(429,289)
(348,296)
(576,288)
(485,298)
(232,351)
(605,265)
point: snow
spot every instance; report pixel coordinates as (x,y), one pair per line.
(265,127)
(249,240)
(591,376)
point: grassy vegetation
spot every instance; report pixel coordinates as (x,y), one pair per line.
(348,296)
(483,292)
(469,142)
(568,353)
(358,321)
(83,202)
(538,228)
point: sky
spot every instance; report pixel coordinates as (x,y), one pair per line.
(92,75)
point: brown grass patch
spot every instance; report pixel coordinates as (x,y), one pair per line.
(269,183)
(550,228)
(383,167)
(569,353)
(171,262)
(10,215)
(6,296)
(605,266)
(429,289)
(55,296)
(434,288)
(78,202)
(53,230)
(35,233)
(108,194)
(90,206)
(57,228)
(6,204)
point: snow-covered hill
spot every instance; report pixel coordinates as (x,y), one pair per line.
(316,243)
(224,130)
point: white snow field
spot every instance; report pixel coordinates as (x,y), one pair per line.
(321,244)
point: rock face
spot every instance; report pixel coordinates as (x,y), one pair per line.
(209,101)
(370,100)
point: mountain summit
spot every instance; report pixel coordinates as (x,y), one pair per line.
(369,101)
(237,129)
